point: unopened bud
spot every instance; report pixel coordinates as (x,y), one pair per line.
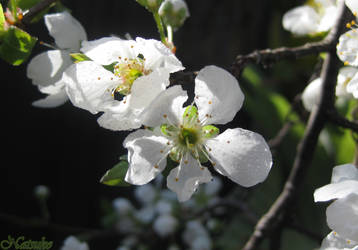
(151,5)
(174,12)
(41,192)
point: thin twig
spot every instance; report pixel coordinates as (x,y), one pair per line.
(276,214)
(339,120)
(36,9)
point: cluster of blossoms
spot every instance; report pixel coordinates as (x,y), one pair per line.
(342,214)
(127,82)
(299,21)
(162,213)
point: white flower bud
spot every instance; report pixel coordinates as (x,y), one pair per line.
(145,194)
(41,192)
(163,207)
(165,225)
(174,12)
(72,243)
(122,206)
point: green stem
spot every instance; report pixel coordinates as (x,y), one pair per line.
(160,27)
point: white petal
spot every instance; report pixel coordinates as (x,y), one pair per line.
(241,155)
(52,101)
(352,86)
(157,55)
(217,93)
(328,19)
(47,68)
(344,172)
(352,5)
(146,88)
(347,48)
(88,85)
(342,216)
(344,78)
(107,50)
(336,190)
(167,106)
(119,121)
(311,94)
(334,241)
(185,179)
(146,156)
(301,20)
(66,30)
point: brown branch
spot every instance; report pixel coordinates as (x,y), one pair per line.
(36,9)
(341,121)
(276,214)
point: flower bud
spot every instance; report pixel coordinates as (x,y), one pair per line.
(151,5)
(41,192)
(174,12)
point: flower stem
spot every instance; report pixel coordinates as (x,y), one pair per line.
(160,28)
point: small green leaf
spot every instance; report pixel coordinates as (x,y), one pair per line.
(79,57)
(16,46)
(27,4)
(110,67)
(190,113)
(116,175)
(2,20)
(210,131)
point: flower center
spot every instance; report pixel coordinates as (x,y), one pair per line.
(189,136)
(128,71)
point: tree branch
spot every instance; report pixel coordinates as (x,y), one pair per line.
(276,214)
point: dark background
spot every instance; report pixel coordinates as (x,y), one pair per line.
(66,150)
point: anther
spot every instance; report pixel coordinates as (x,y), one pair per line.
(165,116)
(99,78)
(210,102)
(176,179)
(156,166)
(161,151)
(228,142)
(185,162)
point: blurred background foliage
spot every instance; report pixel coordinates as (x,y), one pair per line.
(66,150)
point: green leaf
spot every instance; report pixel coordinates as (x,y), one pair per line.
(210,131)
(2,20)
(110,67)
(116,175)
(12,4)
(16,46)
(27,4)
(79,57)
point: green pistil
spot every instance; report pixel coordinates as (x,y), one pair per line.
(188,137)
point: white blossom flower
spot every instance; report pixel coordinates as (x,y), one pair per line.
(137,71)
(318,16)
(46,69)
(72,243)
(347,47)
(342,214)
(165,225)
(187,136)
(347,84)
